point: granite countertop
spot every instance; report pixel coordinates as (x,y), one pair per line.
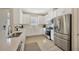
(11,44)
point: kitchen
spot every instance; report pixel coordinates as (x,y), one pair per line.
(35,29)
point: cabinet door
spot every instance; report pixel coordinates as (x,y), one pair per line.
(16,16)
(42,20)
(54,14)
(63,11)
(3,23)
(67,11)
(26,19)
(60,11)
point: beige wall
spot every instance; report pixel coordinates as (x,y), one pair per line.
(78,29)
(75,29)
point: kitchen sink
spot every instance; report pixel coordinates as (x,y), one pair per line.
(15,35)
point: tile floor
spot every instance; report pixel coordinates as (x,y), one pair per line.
(43,42)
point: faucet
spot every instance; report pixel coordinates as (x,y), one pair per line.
(16,28)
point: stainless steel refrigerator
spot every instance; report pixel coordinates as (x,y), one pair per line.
(62,35)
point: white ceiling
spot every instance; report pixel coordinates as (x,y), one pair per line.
(36,10)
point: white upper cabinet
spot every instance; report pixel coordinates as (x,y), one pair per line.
(68,11)
(54,14)
(62,11)
(19,17)
(4,17)
(16,16)
(50,13)
(47,19)
(26,19)
(41,19)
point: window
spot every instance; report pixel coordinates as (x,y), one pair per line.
(34,20)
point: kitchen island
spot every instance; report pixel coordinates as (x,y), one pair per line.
(12,44)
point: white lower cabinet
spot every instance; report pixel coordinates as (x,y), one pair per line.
(21,45)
